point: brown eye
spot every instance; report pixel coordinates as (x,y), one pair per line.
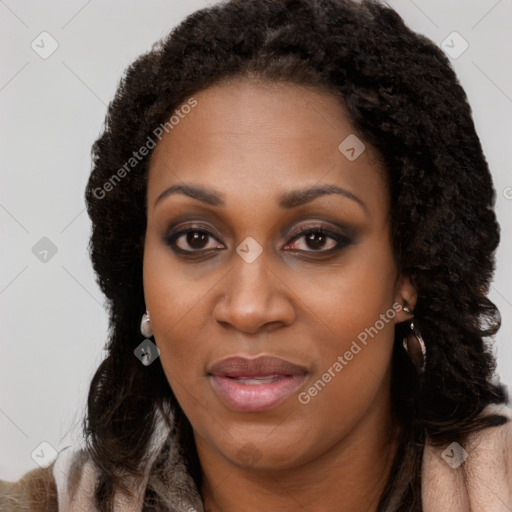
(197,239)
(191,240)
(317,240)
(320,240)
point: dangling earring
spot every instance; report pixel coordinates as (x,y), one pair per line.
(414,345)
(145,325)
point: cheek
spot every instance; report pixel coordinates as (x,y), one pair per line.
(349,298)
(177,305)
(171,294)
(354,352)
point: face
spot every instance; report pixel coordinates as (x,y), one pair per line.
(269,274)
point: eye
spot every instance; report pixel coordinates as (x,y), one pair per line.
(190,240)
(199,240)
(319,239)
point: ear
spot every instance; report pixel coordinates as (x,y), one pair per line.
(405,295)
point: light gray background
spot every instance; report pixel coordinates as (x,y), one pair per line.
(52,317)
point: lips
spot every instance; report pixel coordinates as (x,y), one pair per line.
(254,385)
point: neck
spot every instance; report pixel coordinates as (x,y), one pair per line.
(351,476)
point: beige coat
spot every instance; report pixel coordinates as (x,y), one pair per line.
(477,479)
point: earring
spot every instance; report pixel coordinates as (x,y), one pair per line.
(414,345)
(145,325)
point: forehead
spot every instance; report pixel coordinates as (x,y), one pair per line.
(251,139)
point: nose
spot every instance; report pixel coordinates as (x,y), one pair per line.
(256,298)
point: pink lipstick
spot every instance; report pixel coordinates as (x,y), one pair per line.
(258,384)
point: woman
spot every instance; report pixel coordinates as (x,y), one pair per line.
(293,223)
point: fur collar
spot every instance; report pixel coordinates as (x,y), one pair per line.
(483,482)
(75,478)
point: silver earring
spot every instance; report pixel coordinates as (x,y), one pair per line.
(145,325)
(414,345)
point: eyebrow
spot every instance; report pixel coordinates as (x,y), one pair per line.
(287,200)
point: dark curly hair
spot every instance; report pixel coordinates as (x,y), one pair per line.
(405,101)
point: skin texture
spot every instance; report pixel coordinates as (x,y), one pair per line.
(251,142)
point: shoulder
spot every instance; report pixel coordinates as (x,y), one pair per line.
(49,489)
(36,491)
(475,476)
(68,484)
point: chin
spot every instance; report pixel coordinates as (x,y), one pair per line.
(266,452)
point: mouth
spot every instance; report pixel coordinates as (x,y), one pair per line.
(255,385)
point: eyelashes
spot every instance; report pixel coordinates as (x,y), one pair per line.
(193,236)
(197,241)
(319,236)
